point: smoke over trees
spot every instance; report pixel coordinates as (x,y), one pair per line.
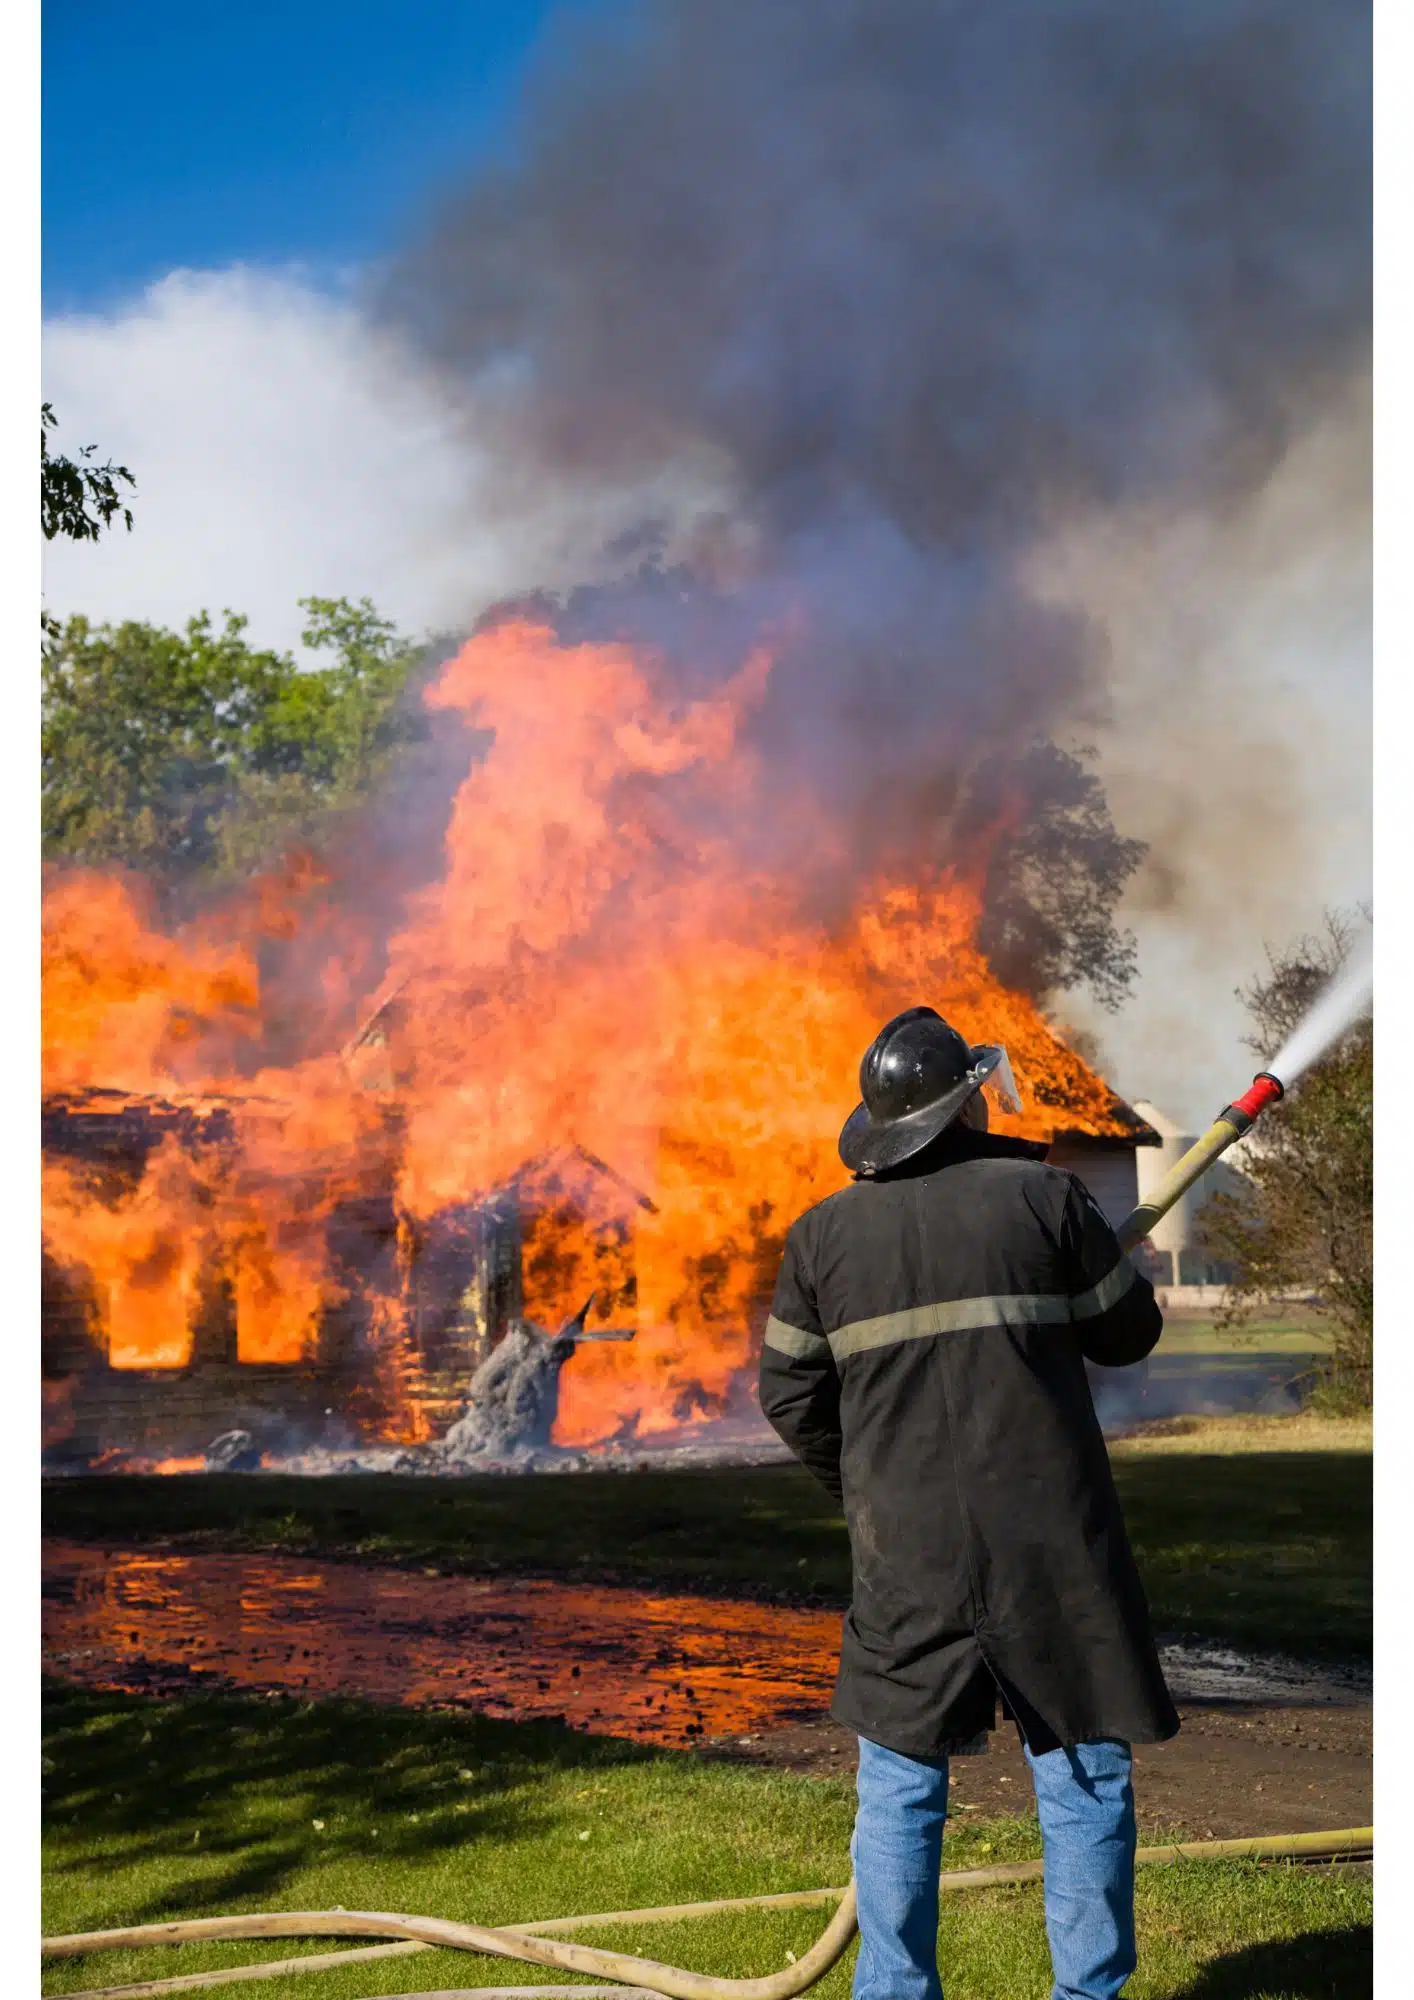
(834,320)
(862,301)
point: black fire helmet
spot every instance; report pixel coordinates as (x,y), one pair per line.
(916,1075)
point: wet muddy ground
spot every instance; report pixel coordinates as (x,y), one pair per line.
(667,1669)
(1235,1768)
(1267,1745)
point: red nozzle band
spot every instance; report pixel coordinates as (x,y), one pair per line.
(1266,1089)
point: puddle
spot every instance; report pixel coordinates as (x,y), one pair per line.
(616,1661)
(1214,1673)
(613,1660)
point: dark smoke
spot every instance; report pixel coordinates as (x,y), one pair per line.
(867,297)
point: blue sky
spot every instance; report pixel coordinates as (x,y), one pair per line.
(263,133)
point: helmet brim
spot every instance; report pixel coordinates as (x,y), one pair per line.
(871,1145)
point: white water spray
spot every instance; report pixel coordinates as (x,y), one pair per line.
(1345,1001)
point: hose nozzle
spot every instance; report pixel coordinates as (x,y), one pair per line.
(1265,1090)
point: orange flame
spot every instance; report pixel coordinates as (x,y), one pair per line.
(597,967)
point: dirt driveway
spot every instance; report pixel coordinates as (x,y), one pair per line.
(1234,1769)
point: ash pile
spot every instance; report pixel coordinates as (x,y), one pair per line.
(512,1401)
(507,1422)
(511,1404)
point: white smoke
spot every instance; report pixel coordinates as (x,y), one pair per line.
(1239,744)
(284,448)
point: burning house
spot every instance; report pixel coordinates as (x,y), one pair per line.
(142,1367)
(608,1066)
(150,1365)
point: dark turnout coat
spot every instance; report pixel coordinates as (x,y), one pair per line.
(924,1358)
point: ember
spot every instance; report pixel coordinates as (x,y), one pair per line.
(598,971)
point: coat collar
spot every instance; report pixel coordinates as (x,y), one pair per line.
(960,1142)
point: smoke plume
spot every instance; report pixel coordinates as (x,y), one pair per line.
(872,303)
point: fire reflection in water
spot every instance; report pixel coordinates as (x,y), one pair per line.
(612,1660)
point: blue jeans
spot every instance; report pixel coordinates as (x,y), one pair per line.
(1086,1807)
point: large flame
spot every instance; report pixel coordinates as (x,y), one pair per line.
(598,972)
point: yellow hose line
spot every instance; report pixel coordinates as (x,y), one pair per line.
(269,1968)
(1177,1181)
(624,1969)
(533,1943)
(324,1961)
(1260,1847)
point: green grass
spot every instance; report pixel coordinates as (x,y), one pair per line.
(770,1530)
(1291,1333)
(1268,1549)
(160,1810)
(1251,1432)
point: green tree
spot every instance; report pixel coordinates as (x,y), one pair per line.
(330,737)
(1057,868)
(76,497)
(1305,1219)
(195,752)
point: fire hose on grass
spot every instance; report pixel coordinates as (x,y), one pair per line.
(533,1944)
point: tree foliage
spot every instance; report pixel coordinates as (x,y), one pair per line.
(194,752)
(1306,1217)
(1056,872)
(76,497)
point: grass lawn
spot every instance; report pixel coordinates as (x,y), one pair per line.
(1252,1432)
(158,1810)
(1260,1536)
(1293,1331)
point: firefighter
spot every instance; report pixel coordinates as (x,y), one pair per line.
(925,1360)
